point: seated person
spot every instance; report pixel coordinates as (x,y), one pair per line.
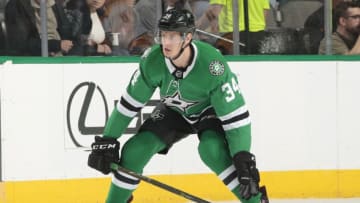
(87,15)
(146,22)
(346,39)
(314,26)
(119,25)
(22,19)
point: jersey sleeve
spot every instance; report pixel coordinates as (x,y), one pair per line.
(231,109)
(138,92)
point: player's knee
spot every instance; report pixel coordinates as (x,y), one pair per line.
(211,147)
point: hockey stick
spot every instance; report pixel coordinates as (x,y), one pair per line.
(219,37)
(161,185)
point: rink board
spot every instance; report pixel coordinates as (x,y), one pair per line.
(295,184)
(305,131)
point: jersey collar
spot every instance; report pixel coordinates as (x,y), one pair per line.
(172,68)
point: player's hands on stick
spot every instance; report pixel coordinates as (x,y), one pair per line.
(104,151)
(248,174)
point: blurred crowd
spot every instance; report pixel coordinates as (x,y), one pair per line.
(128,27)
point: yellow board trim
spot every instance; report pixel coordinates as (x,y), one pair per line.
(281,184)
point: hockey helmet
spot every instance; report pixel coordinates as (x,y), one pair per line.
(179,20)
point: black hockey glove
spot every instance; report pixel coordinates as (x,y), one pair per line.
(248,174)
(104,151)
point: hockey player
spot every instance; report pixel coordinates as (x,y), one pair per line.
(199,94)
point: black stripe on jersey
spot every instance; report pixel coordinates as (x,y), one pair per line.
(230,177)
(125,179)
(127,105)
(236,118)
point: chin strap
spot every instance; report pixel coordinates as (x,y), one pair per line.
(180,52)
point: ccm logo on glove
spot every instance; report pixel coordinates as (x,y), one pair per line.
(103,146)
(104,151)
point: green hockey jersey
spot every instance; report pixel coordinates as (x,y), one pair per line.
(206,82)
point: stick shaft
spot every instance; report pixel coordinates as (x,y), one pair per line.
(218,37)
(161,185)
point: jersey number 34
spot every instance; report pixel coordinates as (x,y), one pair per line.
(230,89)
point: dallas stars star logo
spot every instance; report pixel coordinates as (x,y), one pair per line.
(176,101)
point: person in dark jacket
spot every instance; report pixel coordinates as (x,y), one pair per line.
(22,19)
(87,17)
(314,26)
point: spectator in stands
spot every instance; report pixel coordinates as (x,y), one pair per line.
(22,19)
(119,24)
(146,11)
(198,7)
(314,26)
(219,16)
(87,15)
(146,21)
(346,38)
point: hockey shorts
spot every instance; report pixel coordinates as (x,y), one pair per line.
(170,126)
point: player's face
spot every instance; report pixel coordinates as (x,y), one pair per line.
(171,43)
